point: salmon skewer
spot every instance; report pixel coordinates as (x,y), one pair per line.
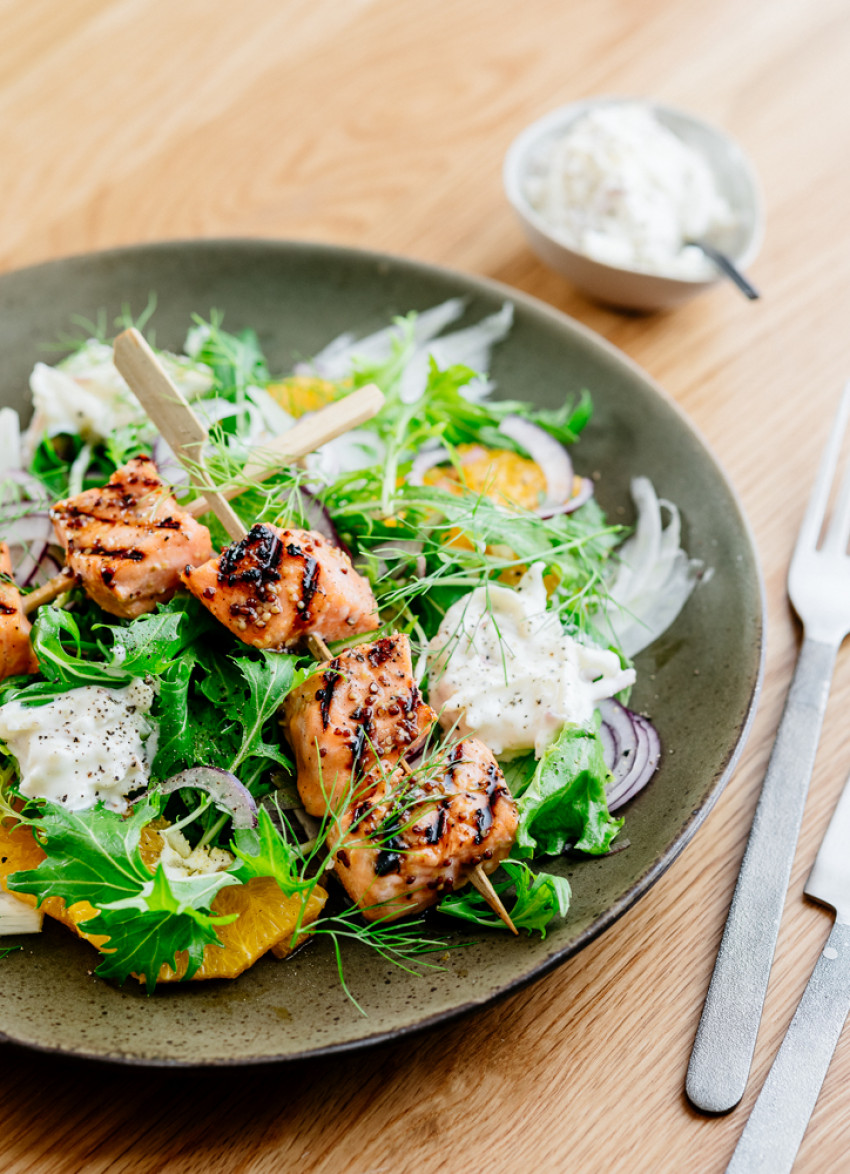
(175,420)
(305,436)
(409,837)
(127,542)
(350,728)
(360,710)
(16,653)
(273,587)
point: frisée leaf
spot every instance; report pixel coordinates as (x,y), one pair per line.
(263,851)
(94,856)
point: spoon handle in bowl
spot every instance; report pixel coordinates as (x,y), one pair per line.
(732,271)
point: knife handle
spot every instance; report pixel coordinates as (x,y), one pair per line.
(726,1036)
(773,1134)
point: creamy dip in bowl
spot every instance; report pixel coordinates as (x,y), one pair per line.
(610,191)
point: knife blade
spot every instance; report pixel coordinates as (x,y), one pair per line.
(829,880)
(781,1114)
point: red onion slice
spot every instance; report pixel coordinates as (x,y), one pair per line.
(584,494)
(545,450)
(631,747)
(25,522)
(28,537)
(223,788)
(46,568)
(427,459)
(318,518)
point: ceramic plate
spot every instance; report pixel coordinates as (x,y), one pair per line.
(699,681)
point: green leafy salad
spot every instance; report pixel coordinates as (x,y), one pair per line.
(149,796)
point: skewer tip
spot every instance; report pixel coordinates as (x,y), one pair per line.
(484,885)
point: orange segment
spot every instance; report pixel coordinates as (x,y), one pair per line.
(298,394)
(497,473)
(19,851)
(267,920)
(506,478)
(267,917)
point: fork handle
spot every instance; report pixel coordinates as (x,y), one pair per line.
(726,1036)
(773,1134)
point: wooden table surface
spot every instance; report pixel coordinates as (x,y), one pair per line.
(383,123)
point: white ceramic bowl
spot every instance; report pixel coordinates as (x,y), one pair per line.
(618,285)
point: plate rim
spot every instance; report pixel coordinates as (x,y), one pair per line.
(641,885)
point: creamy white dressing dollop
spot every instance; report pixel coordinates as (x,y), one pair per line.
(503,669)
(88,745)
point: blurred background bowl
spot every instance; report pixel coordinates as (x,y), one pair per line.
(624,286)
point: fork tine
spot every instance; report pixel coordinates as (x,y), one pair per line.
(816,509)
(838,531)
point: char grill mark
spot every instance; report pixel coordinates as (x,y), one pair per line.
(324,696)
(130,553)
(361,740)
(262,549)
(388,860)
(435,831)
(454,759)
(309,580)
(494,790)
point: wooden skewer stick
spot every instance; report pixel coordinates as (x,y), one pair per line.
(173,417)
(304,437)
(182,430)
(478,878)
(482,882)
(48,591)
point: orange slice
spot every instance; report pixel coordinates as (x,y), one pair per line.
(503,476)
(267,917)
(267,920)
(298,394)
(19,850)
(507,479)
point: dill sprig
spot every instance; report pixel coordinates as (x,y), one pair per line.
(402,945)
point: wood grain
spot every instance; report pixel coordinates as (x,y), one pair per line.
(383,124)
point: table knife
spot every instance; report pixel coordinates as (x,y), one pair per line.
(776,1126)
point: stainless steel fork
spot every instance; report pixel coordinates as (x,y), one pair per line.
(819,588)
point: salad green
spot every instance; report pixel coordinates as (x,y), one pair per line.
(424,541)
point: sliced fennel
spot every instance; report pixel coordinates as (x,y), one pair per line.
(18,917)
(470,347)
(655,576)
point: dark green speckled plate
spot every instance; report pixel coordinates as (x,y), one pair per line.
(699,682)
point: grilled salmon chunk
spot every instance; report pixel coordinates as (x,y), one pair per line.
(407,840)
(274,587)
(362,707)
(16,654)
(128,541)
